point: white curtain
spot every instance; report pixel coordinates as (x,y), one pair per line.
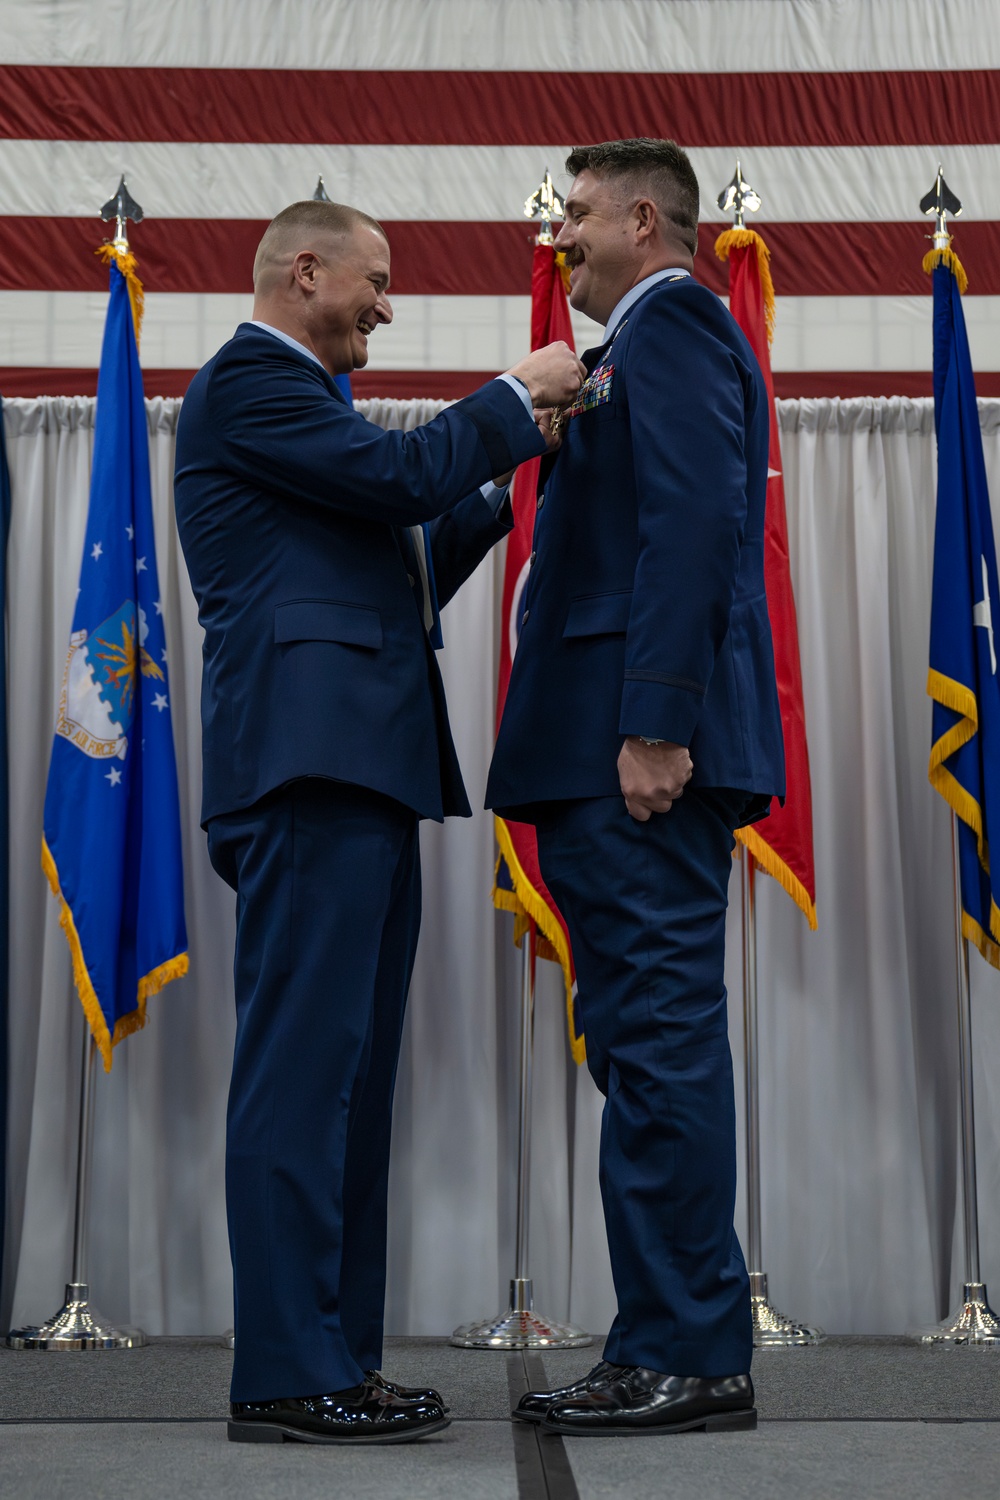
(861,1193)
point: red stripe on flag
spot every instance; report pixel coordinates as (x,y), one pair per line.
(451,385)
(305,106)
(441,258)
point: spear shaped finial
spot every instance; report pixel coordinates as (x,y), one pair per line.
(940,202)
(544,204)
(738,196)
(121,208)
(321,195)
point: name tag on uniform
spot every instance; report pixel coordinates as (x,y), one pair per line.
(595,391)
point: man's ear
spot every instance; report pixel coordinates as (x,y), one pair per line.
(646,219)
(304,268)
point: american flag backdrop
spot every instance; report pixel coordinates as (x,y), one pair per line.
(440,116)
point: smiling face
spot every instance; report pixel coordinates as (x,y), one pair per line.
(344,281)
(599,239)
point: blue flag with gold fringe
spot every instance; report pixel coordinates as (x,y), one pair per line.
(965,611)
(112,846)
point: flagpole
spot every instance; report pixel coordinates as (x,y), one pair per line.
(771,1329)
(78,1324)
(521,1327)
(975,1323)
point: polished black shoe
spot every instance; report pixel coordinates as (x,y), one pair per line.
(364,1414)
(407,1392)
(533,1406)
(642,1400)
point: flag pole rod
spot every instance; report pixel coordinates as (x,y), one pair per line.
(521,1281)
(84,1153)
(975,1323)
(963,991)
(78,1324)
(521,1327)
(771,1329)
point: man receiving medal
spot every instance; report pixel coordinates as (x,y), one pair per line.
(641,727)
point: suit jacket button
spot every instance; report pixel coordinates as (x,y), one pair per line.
(524,617)
(411,580)
(531,559)
(540,501)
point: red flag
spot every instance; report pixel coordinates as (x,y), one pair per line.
(783,843)
(518,886)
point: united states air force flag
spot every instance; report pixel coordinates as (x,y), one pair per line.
(111,846)
(965,613)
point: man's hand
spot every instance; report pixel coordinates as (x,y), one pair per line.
(553,374)
(652,777)
(543,421)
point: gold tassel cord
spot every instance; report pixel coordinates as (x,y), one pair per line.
(745,239)
(947,257)
(128,266)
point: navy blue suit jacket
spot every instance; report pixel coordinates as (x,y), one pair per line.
(644,611)
(290,508)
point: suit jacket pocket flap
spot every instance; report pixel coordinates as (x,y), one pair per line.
(327,620)
(599,614)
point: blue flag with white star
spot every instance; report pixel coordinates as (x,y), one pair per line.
(112,845)
(965,611)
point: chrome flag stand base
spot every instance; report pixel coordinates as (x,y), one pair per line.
(974,1324)
(520,1327)
(771,1329)
(77,1325)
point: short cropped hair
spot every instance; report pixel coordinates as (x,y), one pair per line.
(660,170)
(310,215)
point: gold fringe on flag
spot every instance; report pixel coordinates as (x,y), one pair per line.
(526,904)
(742,239)
(960,700)
(975,934)
(947,257)
(772,864)
(149,984)
(128,266)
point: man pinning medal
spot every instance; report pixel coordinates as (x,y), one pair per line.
(320,549)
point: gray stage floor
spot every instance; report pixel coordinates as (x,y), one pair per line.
(853,1418)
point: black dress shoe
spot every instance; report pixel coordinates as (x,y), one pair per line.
(646,1401)
(364,1414)
(534,1404)
(408,1392)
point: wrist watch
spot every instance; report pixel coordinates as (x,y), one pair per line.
(644,741)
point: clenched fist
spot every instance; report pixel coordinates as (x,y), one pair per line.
(553,375)
(652,777)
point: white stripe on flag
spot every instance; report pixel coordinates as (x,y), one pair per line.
(181,330)
(254,181)
(585,35)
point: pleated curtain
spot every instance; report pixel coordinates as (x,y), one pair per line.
(859,1089)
